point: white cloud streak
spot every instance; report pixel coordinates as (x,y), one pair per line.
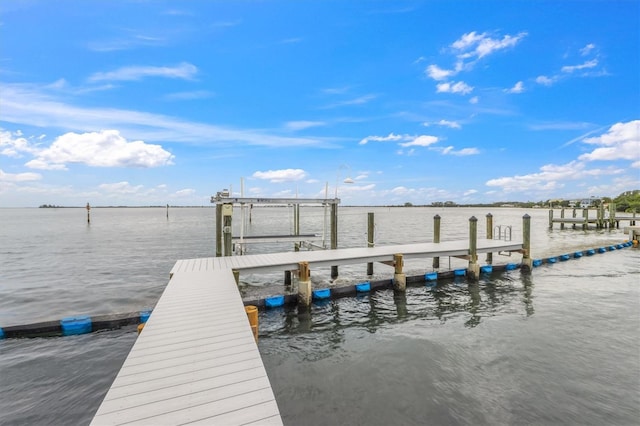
(460,87)
(279,176)
(183,71)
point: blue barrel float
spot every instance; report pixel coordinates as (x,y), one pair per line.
(363,287)
(274,301)
(591,252)
(1,333)
(552,260)
(431,276)
(564,257)
(577,254)
(486,269)
(75,325)
(537,262)
(601,249)
(322,294)
(459,272)
(144,316)
(510,266)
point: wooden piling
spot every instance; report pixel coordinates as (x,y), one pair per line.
(551,219)
(489,236)
(304,284)
(399,278)
(218,230)
(562,217)
(88,213)
(527,261)
(167,211)
(334,236)
(436,238)
(227,213)
(370,239)
(473,270)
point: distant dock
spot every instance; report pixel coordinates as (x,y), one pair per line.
(599,218)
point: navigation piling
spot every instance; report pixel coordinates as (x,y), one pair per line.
(334,236)
(88,213)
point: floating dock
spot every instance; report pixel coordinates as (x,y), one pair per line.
(196,361)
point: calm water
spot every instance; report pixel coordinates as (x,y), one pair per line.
(559,346)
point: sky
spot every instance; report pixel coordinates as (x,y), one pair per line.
(154,102)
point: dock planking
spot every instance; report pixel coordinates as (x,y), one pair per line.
(196,361)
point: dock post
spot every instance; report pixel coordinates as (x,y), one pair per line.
(527,262)
(612,216)
(551,219)
(334,235)
(287,278)
(236,276)
(562,217)
(573,225)
(585,216)
(167,211)
(304,284)
(227,212)
(473,270)
(370,239)
(489,236)
(218,230)
(399,278)
(600,219)
(436,238)
(88,213)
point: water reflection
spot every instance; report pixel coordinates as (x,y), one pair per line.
(454,300)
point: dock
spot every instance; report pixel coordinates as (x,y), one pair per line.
(196,360)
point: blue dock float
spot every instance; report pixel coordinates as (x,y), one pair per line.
(75,325)
(577,254)
(511,266)
(459,272)
(274,301)
(601,250)
(552,260)
(431,276)
(591,252)
(564,257)
(363,287)
(486,269)
(321,294)
(537,262)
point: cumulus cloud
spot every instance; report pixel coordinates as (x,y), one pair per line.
(621,142)
(185,71)
(450,87)
(544,80)
(423,140)
(437,73)
(445,123)
(100,149)
(278,176)
(474,45)
(403,140)
(18,177)
(14,144)
(517,88)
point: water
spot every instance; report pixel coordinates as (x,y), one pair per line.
(559,346)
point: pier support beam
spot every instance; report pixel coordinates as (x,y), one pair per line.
(370,239)
(399,278)
(304,284)
(218,230)
(489,236)
(473,270)
(527,261)
(551,219)
(436,238)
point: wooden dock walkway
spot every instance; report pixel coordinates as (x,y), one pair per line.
(196,361)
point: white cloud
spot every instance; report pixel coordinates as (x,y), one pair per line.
(100,149)
(586,65)
(474,100)
(587,49)
(621,142)
(445,123)
(278,176)
(517,88)
(187,96)
(30,105)
(470,192)
(438,73)
(19,177)
(187,192)
(120,188)
(450,150)
(459,87)
(184,71)
(14,144)
(422,140)
(476,45)
(355,101)
(301,125)
(392,137)
(544,80)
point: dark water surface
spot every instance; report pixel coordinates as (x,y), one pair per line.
(558,346)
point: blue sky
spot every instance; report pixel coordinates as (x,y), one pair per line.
(153,103)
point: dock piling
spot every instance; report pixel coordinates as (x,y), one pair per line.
(370,239)
(304,284)
(436,238)
(489,236)
(399,278)
(473,270)
(527,262)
